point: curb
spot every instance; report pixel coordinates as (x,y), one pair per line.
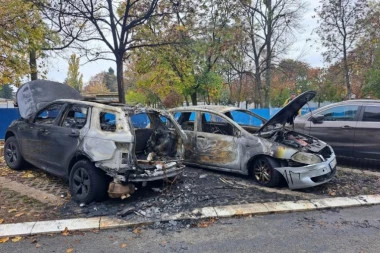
(95,223)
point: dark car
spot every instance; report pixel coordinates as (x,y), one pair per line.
(351,127)
(96,146)
(237,140)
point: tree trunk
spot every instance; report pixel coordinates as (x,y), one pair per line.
(346,74)
(120,79)
(268,42)
(239,90)
(194,98)
(33,65)
(258,88)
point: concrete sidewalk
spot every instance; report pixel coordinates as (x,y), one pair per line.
(85,224)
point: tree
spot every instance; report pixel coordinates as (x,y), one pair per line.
(6,91)
(111,80)
(96,85)
(270,25)
(109,22)
(339,31)
(74,77)
(17,37)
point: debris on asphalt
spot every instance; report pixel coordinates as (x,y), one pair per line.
(196,188)
(126,211)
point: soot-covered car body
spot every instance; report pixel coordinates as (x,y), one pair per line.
(100,148)
(237,140)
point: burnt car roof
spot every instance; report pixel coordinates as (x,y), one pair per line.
(290,111)
(34,95)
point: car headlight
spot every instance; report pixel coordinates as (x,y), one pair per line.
(306,158)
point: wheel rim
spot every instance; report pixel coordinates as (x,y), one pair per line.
(11,153)
(262,172)
(81,183)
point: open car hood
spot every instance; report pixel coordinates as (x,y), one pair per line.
(34,95)
(289,112)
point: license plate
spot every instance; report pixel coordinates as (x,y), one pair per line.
(333,164)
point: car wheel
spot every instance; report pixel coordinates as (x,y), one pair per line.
(87,183)
(264,173)
(12,154)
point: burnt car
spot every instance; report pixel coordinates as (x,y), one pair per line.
(351,127)
(99,148)
(237,140)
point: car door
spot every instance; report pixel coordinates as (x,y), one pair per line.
(186,119)
(367,133)
(33,134)
(216,143)
(337,128)
(53,135)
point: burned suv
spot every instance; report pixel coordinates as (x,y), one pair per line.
(100,148)
(237,140)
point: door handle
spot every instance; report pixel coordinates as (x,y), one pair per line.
(43,131)
(74,134)
(346,126)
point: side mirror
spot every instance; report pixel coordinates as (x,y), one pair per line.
(237,132)
(317,119)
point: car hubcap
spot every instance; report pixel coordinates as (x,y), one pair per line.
(11,153)
(262,172)
(81,182)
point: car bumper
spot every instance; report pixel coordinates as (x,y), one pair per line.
(167,170)
(310,175)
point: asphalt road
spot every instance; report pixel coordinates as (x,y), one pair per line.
(343,230)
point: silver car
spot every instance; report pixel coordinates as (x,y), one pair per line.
(237,140)
(351,127)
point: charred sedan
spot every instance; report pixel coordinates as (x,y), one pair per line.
(99,148)
(237,140)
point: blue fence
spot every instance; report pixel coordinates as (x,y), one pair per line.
(7,115)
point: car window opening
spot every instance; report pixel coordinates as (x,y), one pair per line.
(156,139)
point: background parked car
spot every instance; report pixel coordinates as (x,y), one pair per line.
(237,140)
(351,127)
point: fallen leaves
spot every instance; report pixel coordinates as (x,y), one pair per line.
(137,231)
(19,214)
(206,223)
(4,239)
(16,239)
(12,210)
(28,174)
(123,245)
(65,232)
(69,250)
(1,221)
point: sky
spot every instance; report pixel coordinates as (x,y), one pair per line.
(305,49)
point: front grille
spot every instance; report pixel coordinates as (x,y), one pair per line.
(325,177)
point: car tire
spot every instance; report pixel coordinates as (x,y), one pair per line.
(12,154)
(263,172)
(87,183)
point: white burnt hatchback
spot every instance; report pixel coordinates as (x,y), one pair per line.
(237,140)
(99,148)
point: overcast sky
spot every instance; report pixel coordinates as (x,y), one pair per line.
(304,49)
